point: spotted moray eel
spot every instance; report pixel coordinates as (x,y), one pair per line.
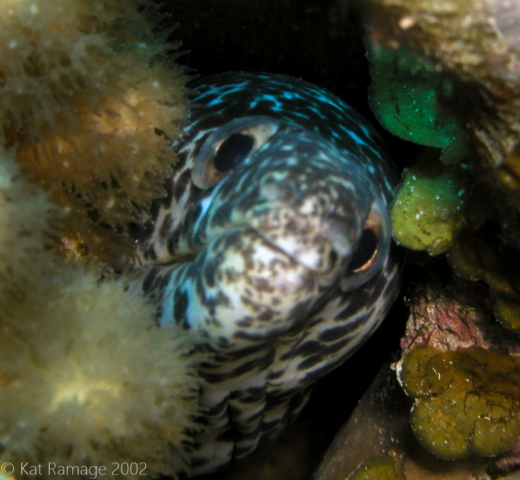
(273,247)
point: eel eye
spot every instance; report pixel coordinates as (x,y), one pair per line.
(228,146)
(232,151)
(366,252)
(372,250)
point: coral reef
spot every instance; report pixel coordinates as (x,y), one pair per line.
(85,377)
(463,371)
(377,442)
(459,371)
(414,101)
(92,103)
(459,63)
(86,90)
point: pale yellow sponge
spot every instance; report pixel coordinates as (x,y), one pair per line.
(86,376)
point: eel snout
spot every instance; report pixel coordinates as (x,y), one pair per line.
(299,202)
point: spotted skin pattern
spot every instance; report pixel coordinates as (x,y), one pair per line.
(259,266)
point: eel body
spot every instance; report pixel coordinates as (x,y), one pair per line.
(273,247)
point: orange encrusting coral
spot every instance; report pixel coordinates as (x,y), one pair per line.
(92,104)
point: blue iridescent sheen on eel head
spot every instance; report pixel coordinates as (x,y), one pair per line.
(273,248)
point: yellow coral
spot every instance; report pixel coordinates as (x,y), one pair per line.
(25,214)
(93,105)
(86,377)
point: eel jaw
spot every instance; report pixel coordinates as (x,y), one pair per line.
(320,246)
(319,228)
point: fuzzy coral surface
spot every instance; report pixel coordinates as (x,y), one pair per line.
(92,102)
(86,377)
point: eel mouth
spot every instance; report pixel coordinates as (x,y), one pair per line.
(318,229)
(288,259)
(320,248)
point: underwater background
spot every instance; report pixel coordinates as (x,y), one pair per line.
(92,96)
